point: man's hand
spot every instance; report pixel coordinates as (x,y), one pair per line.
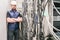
(19,19)
(11,20)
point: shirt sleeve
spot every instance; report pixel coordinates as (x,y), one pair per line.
(8,15)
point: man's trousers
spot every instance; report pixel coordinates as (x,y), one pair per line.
(13,35)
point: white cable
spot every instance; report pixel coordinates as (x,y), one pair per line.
(51,26)
(59,14)
(56,28)
(52,32)
(56,9)
(54,35)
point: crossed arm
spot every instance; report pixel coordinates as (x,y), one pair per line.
(12,20)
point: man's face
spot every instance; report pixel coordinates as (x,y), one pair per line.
(13,6)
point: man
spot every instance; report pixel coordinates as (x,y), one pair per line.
(13,19)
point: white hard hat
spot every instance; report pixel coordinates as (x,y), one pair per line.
(13,3)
